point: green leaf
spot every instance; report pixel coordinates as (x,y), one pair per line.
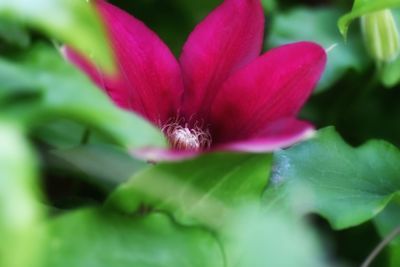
(320,28)
(91,237)
(346,185)
(395,256)
(203,189)
(390,75)
(13,34)
(388,220)
(48,88)
(74,22)
(362,7)
(20,213)
(107,164)
(257,238)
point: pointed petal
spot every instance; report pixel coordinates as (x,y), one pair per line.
(279,134)
(149,80)
(274,86)
(227,39)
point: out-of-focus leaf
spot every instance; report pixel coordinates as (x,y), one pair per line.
(362,7)
(345,185)
(74,22)
(390,73)
(61,134)
(58,90)
(318,25)
(395,256)
(269,5)
(92,237)
(256,238)
(13,34)
(203,189)
(388,220)
(108,164)
(20,213)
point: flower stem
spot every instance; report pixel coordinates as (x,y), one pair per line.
(381,246)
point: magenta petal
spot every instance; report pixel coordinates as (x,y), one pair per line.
(227,39)
(274,86)
(149,80)
(279,134)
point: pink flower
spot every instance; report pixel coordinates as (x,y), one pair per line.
(220,94)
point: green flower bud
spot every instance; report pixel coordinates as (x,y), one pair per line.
(381,35)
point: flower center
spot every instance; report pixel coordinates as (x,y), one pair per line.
(187,138)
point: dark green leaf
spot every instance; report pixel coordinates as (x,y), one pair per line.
(14,34)
(204,188)
(93,238)
(395,256)
(105,163)
(318,25)
(345,185)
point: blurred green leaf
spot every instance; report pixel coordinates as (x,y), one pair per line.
(345,185)
(390,72)
(20,213)
(46,87)
(390,75)
(91,237)
(362,7)
(318,25)
(395,256)
(203,189)
(256,238)
(105,163)
(14,34)
(74,22)
(61,134)
(269,5)
(388,220)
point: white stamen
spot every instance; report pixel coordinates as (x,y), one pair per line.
(329,49)
(185,138)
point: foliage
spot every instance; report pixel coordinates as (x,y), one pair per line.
(72,193)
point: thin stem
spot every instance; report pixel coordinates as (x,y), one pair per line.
(381,246)
(85,137)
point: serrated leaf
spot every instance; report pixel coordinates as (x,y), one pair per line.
(74,22)
(362,7)
(346,185)
(92,237)
(20,212)
(202,189)
(318,25)
(54,89)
